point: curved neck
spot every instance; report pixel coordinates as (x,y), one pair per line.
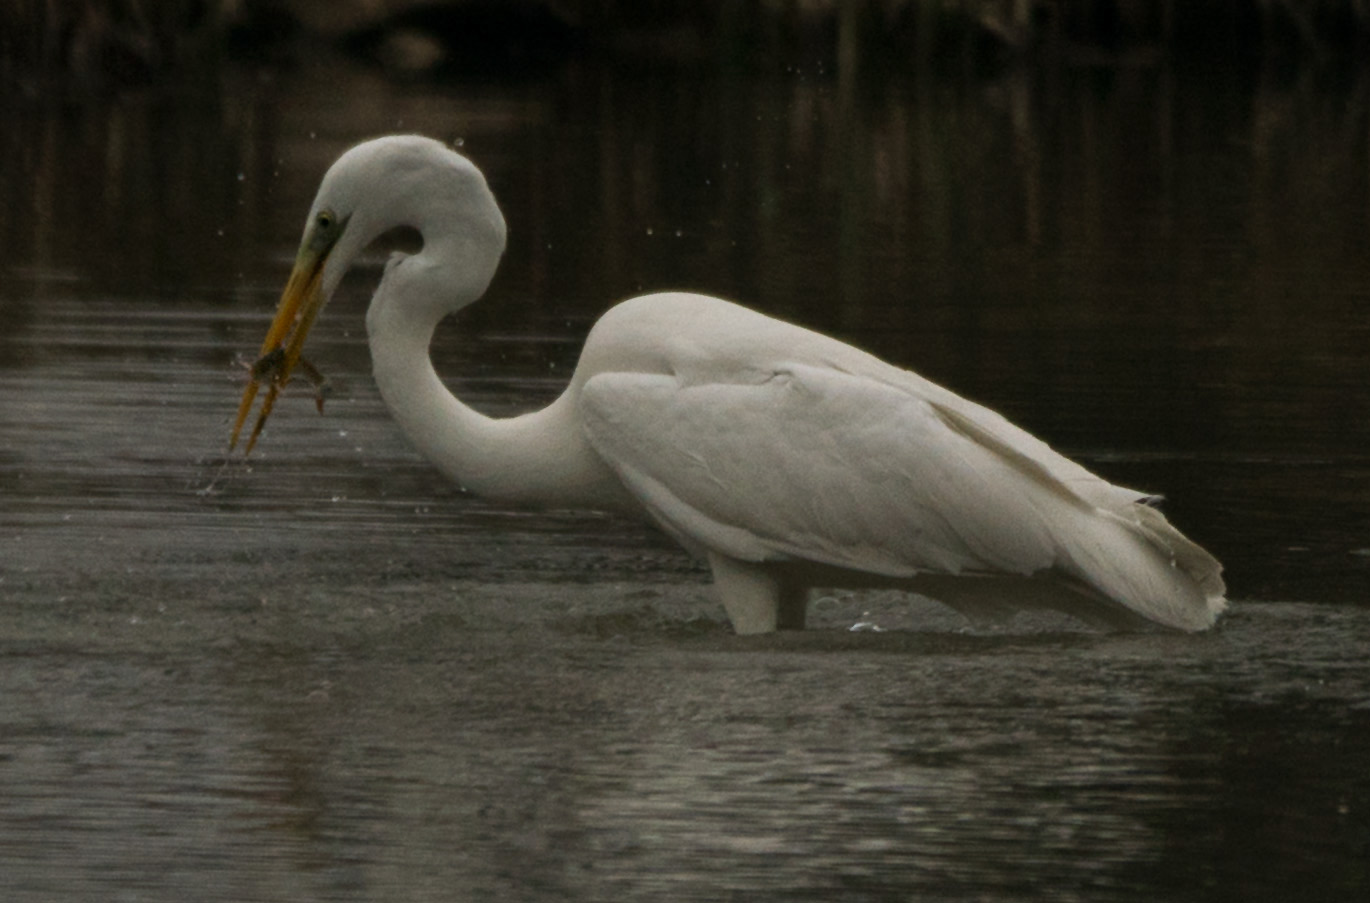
(541,458)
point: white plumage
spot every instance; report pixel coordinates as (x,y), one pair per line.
(785,458)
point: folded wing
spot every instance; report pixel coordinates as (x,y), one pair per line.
(816,463)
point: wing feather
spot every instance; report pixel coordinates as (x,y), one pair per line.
(814,463)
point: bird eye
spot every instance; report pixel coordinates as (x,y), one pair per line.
(325,220)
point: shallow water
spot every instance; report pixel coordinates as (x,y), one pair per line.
(387,741)
(327,674)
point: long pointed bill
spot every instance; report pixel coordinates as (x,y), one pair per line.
(300,305)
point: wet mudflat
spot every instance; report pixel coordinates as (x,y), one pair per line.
(327,674)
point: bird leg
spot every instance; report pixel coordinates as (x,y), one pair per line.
(751,594)
(793,610)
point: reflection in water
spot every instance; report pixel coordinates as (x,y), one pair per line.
(327,674)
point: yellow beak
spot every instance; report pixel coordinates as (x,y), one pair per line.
(300,305)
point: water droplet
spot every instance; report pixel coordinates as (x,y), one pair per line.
(866,626)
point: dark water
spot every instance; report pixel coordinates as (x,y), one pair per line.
(329,675)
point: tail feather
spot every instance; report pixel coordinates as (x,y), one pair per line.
(1137,559)
(1113,540)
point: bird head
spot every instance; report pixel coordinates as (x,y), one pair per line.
(376,186)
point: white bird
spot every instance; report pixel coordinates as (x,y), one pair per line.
(784,458)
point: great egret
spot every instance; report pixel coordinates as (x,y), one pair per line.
(784,458)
